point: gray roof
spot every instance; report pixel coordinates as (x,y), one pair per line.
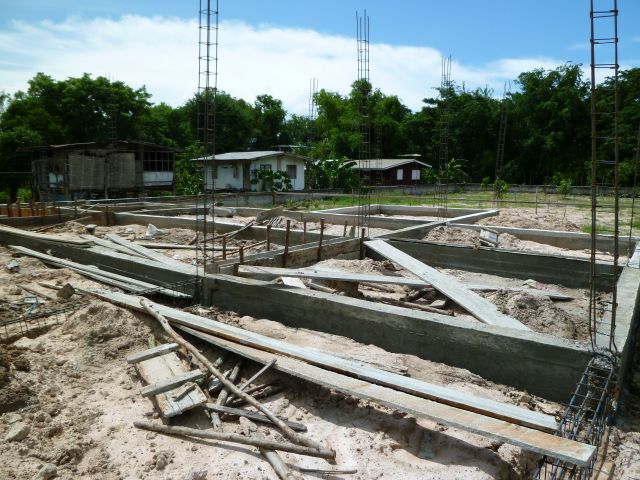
(252,155)
(386,163)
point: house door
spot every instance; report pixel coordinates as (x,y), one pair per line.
(246,175)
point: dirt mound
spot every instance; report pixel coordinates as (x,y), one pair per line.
(528,219)
(539,313)
(453,235)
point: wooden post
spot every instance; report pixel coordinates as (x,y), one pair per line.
(224,248)
(32,210)
(320,241)
(9,210)
(304,231)
(344,232)
(362,230)
(241,253)
(286,244)
(19,208)
(268,237)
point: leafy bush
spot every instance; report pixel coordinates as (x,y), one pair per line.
(564,187)
(500,188)
(429,176)
(271,181)
(484,185)
(24,194)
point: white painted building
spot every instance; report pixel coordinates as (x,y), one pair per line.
(235,170)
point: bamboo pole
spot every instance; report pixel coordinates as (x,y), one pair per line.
(287,431)
(224,395)
(275,460)
(232,437)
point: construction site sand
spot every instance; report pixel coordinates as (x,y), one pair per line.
(569,219)
(80,398)
(469,237)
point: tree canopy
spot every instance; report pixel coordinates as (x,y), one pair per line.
(548,132)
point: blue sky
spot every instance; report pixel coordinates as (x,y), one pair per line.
(490,42)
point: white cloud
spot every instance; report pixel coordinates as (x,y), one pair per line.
(161,53)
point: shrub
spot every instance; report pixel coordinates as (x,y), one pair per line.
(500,188)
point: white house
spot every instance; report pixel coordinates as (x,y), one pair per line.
(235,170)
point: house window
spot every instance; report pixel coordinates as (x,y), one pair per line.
(415,174)
(265,166)
(235,170)
(399,174)
(292,171)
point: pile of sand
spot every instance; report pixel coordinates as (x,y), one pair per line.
(523,218)
(540,314)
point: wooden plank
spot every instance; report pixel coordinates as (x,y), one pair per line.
(529,439)
(360,370)
(152,352)
(157,369)
(43,236)
(120,281)
(477,306)
(110,245)
(256,417)
(148,253)
(171,383)
(320,274)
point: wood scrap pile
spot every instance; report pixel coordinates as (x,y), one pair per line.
(530,430)
(176,390)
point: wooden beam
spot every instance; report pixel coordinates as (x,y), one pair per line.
(157,369)
(120,281)
(148,253)
(356,369)
(526,438)
(477,306)
(256,417)
(171,383)
(152,352)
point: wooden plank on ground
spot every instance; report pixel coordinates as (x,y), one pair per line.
(529,439)
(109,244)
(152,352)
(319,274)
(360,370)
(256,417)
(477,306)
(171,383)
(91,271)
(44,236)
(148,253)
(157,369)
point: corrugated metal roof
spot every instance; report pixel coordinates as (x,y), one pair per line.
(386,163)
(252,155)
(89,145)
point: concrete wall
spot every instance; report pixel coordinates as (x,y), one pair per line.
(541,364)
(569,272)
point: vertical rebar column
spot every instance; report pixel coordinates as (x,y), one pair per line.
(363,90)
(443,131)
(604,144)
(502,135)
(206,122)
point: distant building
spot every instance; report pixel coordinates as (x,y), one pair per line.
(392,171)
(83,170)
(235,170)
